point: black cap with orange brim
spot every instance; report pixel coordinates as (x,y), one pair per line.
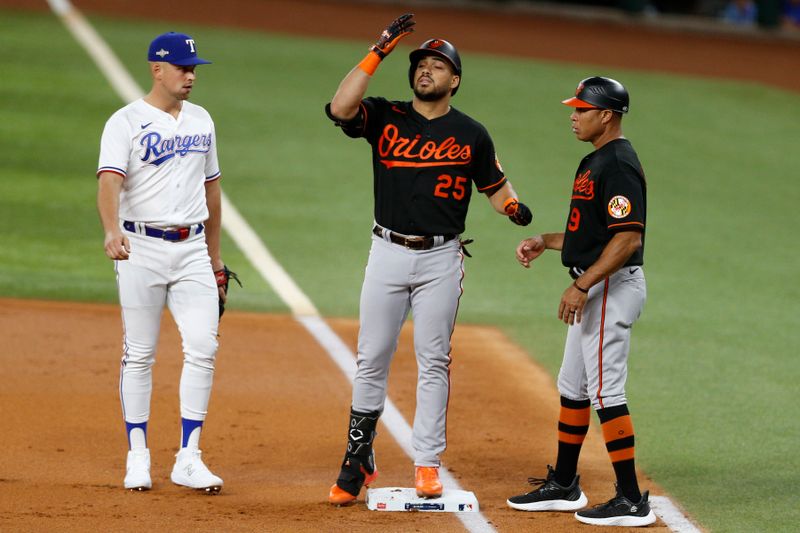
(576,102)
(598,92)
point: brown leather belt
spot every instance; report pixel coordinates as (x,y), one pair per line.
(412,243)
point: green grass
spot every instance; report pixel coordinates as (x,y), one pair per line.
(714,367)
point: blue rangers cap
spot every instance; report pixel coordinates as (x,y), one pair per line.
(175,48)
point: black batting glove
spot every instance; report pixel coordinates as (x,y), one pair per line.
(518,213)
(399,28)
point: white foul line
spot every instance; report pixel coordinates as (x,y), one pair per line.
(273,273)
(98,49)
(257,253)
(264,262)
(672,516)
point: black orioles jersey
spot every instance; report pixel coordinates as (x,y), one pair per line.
(424,169)
(609,195)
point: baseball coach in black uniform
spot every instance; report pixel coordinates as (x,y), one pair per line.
(603,248)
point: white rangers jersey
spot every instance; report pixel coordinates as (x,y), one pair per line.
(165,161)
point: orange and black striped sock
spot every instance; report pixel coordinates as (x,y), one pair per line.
(573,424)
(618,434)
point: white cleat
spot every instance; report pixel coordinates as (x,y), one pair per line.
(137,470)
(190,471)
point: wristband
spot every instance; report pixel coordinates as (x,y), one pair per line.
(510,206)
(575,284)
(370,62)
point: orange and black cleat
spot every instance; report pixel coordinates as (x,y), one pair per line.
(427,482)
(353,476)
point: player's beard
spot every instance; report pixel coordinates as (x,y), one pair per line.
(434,95)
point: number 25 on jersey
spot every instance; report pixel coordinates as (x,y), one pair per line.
(448,187)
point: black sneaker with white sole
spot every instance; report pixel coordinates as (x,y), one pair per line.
(550,496)
(619,511)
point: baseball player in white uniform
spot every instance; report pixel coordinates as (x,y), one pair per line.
(159,203)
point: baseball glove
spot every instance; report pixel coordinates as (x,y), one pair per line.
(224,276)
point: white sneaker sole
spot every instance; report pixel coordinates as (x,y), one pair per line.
(137,471)
(138,486)
(551,505)
(624,521)
(210,488)
(140,481)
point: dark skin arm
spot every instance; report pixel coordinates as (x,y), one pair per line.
(618,250)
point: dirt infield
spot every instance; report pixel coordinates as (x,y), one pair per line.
(275,432)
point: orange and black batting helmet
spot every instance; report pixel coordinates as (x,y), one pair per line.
(600,93)
(439,48)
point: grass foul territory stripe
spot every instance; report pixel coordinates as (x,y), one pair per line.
(257,253)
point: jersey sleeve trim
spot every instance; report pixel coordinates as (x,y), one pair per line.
(215,176)
(626,224)
(496,184)
(113,170)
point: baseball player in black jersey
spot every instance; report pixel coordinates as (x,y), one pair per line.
(603,248)
(426,157)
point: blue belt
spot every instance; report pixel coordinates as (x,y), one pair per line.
(172,235)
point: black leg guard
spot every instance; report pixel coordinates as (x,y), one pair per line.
(354,473)
(359,460)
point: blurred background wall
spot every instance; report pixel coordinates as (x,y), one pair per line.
(783,15)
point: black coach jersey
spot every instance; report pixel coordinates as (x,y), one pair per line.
(424,169)
(609,194)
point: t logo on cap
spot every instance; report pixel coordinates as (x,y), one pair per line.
(175,48)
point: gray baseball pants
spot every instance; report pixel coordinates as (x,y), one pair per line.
(595,364)
(427,283)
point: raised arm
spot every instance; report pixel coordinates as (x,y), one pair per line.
(351,90)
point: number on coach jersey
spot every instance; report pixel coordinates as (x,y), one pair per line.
(574,219)
(447,187)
